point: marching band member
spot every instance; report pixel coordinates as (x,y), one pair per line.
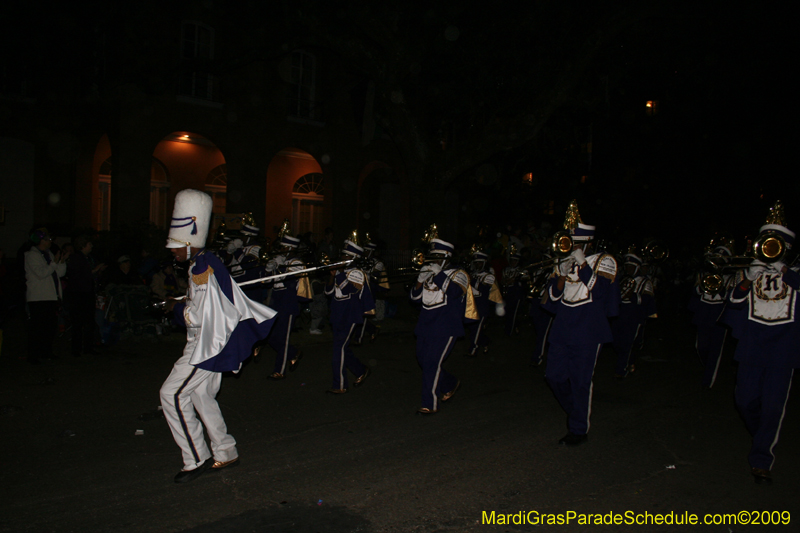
(244,259)
(583,295)
(707,305)
(447,299)
(222,325)
(379,282)
(287,294)
(514,282)
(636,304)
(351,299)
(487,296)
(762,314)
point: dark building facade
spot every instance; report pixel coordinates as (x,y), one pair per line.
(105,131)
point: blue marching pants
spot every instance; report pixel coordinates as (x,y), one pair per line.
(343,357)
(761,396)
(569,373)
(476,335)
(542,320)
(367,328)
(432,352)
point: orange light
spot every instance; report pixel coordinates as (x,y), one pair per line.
(649,103)
(186,136)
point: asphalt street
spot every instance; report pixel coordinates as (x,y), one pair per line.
(364,461)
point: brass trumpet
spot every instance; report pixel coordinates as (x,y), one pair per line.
(770,247)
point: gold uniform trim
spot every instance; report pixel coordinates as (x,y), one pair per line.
(304,288)
(494,294)
(202,279)
(471,311)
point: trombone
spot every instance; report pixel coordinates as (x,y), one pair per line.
(560,248)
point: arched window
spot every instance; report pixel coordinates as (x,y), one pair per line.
(217,187)
(308,198)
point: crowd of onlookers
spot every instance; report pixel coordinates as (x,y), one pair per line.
(70,286)
(65,286)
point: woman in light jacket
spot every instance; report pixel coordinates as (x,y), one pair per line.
(42,273)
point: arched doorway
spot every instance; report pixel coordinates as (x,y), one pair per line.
(159,193)
(296,192)
(308,204)
(186,160)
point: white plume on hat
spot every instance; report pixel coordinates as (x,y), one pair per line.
(190,219)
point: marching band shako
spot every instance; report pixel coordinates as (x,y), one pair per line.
(191,217)
(440,247)
(352,249)
(289,242)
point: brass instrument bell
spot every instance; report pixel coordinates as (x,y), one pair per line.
(417,258)
(769,247)
(561,244)
(712,284)
(655,252)
(286,229)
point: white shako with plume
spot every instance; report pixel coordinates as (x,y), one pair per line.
(190,220)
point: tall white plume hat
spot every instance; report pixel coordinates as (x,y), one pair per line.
(191,218)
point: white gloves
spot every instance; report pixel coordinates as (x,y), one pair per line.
(435,268)
(425,273)
(565,266)
(578,256)
(500,308)
(234,245)
(755,269)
